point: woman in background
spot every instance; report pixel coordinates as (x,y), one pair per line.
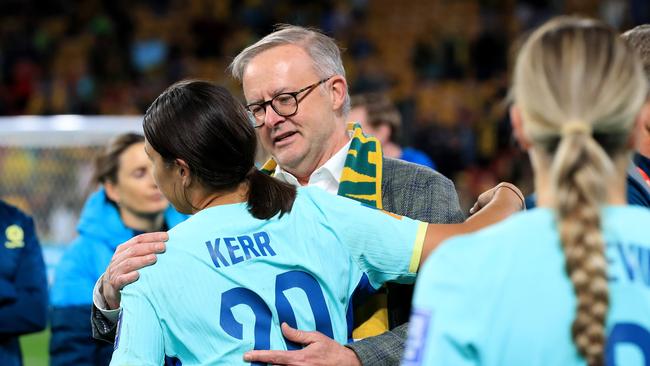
(566,283)
(23,286)
(128,203)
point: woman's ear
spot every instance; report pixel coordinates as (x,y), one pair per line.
(183,171)
(640,136)
(112,192)
(518,128)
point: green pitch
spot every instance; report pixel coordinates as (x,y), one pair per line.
(35,348)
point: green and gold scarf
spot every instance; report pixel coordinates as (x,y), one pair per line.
(361,181)
(361,178)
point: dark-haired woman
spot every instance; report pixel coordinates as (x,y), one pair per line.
(257,252)
(127,204)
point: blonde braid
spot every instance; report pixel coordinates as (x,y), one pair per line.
(579,89)
(577,174)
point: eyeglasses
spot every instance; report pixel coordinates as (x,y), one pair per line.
(284,104)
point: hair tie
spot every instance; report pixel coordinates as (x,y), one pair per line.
(575,128)
(251,171)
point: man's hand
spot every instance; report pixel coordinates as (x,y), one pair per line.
(138,252)
(503,191)
(319,350)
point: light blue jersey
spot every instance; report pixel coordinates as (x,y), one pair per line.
(501,296)
(227,280)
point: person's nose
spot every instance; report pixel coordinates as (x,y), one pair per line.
(152,180)
(271,117)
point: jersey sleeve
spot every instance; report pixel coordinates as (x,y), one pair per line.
(442,327)
(139,339)
(387,247)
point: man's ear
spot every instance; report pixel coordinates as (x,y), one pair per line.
(111,191)
(183,171)
(518,128)
(642,120)
(338,90)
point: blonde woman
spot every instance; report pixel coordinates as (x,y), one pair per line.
(566,283)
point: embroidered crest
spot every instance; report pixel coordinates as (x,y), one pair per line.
(15,237)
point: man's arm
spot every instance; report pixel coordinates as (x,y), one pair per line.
(319,350)
(383,350)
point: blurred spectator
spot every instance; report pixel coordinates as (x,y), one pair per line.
(445,59)
(127,204)
(379,117)
(23,286)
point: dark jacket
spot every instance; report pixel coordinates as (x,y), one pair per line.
(101,230)
(23,284)
(638,189)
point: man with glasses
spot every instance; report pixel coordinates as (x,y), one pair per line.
(299,74)
(284,104)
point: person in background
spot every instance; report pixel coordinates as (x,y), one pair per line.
(257,252)
(379,117)
(128,203)
(638,180)
(23,283)
(566,283)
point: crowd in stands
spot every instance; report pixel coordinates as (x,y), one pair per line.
(444,63)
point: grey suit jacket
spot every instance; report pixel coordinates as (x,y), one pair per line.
(409,190)
(422,194)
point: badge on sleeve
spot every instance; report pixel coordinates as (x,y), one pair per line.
(417,337)
(15,237)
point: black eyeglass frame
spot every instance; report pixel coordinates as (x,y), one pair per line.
(294,95)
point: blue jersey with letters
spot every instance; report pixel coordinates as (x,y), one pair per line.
(228,280)
(501,296)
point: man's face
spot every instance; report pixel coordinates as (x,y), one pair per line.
(382,132)
(300,141)
(643,131)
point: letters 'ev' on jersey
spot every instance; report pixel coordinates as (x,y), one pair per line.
(501,296)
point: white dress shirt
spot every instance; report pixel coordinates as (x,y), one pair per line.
(326,177)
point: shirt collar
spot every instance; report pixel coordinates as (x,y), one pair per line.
(332,167)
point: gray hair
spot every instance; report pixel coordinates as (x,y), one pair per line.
(323,51)
(639,39)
